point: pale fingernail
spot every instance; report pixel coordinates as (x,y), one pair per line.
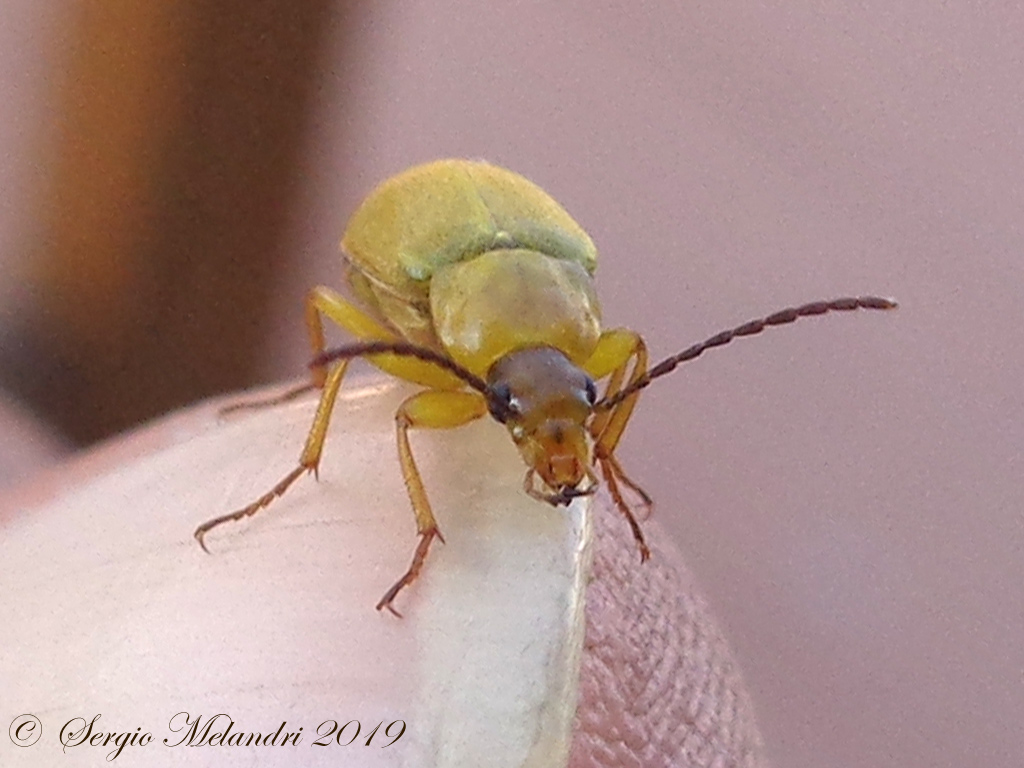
(278,626)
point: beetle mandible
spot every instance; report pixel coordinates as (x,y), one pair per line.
(479,286)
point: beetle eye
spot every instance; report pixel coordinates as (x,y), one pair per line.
(500,402)
(591,391)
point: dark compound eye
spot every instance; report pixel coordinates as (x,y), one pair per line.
(499,403)
(591,391)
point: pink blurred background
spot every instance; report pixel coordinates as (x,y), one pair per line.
(848,489)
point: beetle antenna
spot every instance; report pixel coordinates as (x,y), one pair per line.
(404,349)
(747,329)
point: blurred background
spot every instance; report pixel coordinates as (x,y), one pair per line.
(175,176)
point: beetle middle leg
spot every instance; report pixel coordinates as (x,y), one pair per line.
(616,350)
(437,409)
(309,460)
(322,302)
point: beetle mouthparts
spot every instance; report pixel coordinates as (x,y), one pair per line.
(567,493)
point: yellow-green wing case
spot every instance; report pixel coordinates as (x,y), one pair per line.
(449,211)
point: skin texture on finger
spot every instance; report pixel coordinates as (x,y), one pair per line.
(658,686)
(279,624)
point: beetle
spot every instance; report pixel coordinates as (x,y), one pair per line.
(477,285)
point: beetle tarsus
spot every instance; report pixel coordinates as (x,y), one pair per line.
(199,534)
(414,570)
(252,509)
(645,552)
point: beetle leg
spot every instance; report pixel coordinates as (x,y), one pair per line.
(620,473)
(331,304)
(615,352)
(309,461)
(611,358)
(433,409)
(615,349)
(610,478)
(322,301)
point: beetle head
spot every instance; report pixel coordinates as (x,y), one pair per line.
(545,402)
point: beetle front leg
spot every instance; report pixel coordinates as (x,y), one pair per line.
(620,473)
(617,351)
(436,409)
(608,469)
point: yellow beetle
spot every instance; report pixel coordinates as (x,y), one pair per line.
(479,286)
